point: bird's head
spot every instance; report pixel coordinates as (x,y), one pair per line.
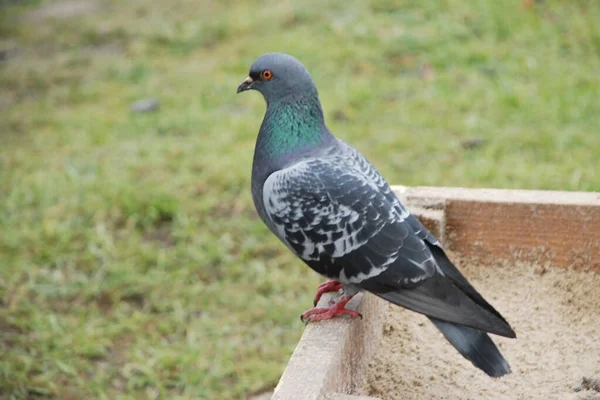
(277,75)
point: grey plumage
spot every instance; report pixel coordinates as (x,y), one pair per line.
(334,210)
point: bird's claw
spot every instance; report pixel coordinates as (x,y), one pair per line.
(328,286)
(334,310)
(321,314)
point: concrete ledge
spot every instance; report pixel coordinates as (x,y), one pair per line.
(330,355)
(561,228)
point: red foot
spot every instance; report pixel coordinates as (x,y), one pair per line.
(320,314)
(329,286)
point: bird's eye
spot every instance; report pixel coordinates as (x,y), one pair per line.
(267,75)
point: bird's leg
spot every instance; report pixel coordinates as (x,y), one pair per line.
(328,286)
(337,308)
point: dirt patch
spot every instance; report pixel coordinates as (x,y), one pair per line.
(557,319)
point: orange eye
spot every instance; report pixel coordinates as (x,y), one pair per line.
(267,75)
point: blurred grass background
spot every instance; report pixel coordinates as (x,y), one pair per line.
(132,264)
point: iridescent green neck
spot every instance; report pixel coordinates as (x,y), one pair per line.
(292,125)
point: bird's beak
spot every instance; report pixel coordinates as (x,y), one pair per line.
(247,84)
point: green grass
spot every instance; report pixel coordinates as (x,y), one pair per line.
(132,264)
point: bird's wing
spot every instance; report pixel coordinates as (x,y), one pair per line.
(339,215)
(337,219)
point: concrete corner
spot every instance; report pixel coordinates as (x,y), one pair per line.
(331,355)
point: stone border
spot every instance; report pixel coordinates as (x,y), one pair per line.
(329,358)
(560,228)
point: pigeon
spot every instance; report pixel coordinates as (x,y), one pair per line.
(332,208)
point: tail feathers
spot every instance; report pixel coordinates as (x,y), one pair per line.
(476,346)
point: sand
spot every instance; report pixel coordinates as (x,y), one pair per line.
(555,313)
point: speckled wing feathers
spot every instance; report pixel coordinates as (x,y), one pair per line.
(339,215)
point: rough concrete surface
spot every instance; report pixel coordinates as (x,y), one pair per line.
(330,357)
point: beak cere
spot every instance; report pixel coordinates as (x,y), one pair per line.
(247,84)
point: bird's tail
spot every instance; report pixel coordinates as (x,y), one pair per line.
(476,346)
